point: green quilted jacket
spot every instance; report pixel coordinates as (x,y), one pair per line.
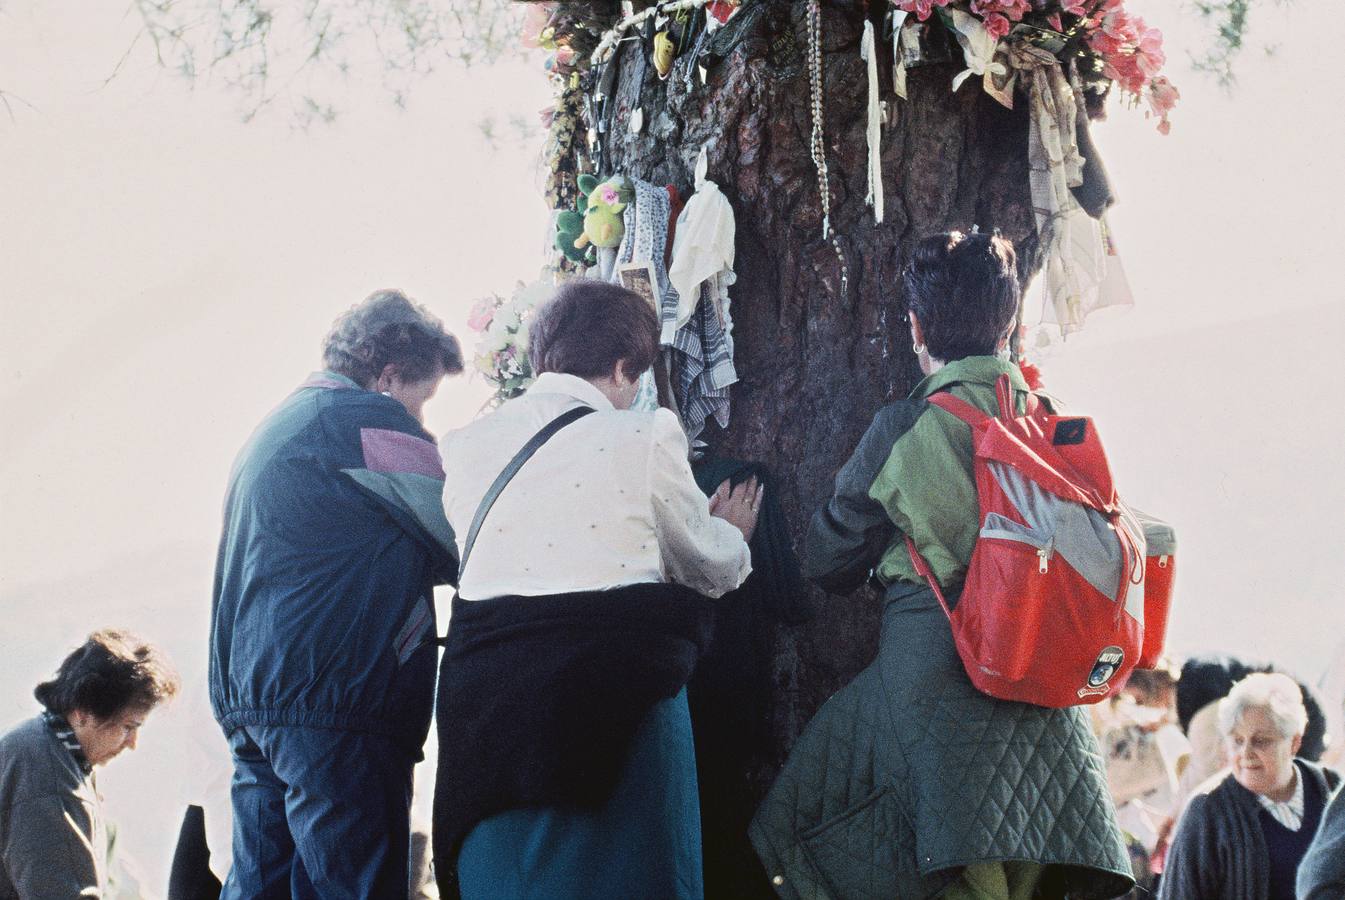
(909,773)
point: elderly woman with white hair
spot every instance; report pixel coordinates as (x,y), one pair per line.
(1247,828)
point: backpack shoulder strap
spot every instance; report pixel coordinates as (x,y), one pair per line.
(525,453)
(973,416)
(1004,393)
(957,407)
(923,569)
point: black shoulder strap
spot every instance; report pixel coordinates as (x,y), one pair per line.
(523,455)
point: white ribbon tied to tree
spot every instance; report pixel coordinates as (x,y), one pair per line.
(874,198)
(978,47)
(703,245)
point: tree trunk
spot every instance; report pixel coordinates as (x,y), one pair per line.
(816,361)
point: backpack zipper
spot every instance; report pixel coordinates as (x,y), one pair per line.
(1045,549)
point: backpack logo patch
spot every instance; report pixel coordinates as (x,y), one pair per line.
(1107,664)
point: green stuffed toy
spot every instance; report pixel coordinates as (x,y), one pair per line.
(570,224)
(597,219)
(603,226)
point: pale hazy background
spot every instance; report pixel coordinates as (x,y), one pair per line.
(167,273)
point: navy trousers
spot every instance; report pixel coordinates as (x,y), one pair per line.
(318,813)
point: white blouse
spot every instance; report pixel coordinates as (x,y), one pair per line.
(608,501)
(1288,813)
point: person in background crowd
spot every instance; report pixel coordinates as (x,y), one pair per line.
(1155,689)
(53,841)
(1331,685)
(1321,875)
(1244,832)
(567,766)
(1204,681)
(322,659)
(910,782)
(1145,752)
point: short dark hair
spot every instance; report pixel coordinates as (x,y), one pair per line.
(113,670)
(587,327)
(964,290)
(1151,684)
(388,328)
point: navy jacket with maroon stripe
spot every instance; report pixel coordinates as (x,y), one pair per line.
(334,536)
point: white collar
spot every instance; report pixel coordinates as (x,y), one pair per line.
(570,386)
(1288,813)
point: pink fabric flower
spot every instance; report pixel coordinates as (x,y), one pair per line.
(1117,25)
(1132,52)
(1162,96)
(921,8)
(483,311)
(1123,69)
(1010,10)
(1149,54)
(1074,7)
(610,195)
(996,25)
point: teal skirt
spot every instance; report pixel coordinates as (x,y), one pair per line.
(644,842)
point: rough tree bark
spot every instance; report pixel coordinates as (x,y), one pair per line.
(816,362)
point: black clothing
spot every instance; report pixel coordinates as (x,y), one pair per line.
(539,697)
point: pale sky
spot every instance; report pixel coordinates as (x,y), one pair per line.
(167,273)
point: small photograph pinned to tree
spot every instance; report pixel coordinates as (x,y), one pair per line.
(639,277)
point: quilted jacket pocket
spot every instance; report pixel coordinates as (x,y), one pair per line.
(866,852)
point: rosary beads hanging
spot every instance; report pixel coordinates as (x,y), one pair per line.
(819,143)
(819,149)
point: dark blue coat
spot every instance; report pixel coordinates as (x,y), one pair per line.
(334,536)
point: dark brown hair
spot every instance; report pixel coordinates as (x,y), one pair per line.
(113,670)
(388,328)
(588,326)
(1150,685)
(964,290)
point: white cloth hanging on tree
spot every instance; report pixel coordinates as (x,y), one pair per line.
(702,246)
(1081,272)
(874,198)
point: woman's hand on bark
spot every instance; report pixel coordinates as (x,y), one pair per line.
(739,506)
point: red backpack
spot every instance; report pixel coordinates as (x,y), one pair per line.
(1052,609)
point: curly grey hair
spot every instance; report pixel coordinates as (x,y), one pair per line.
(387,328)
(1277,694)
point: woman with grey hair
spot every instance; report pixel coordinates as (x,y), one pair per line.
(321,645)
(1246,829)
